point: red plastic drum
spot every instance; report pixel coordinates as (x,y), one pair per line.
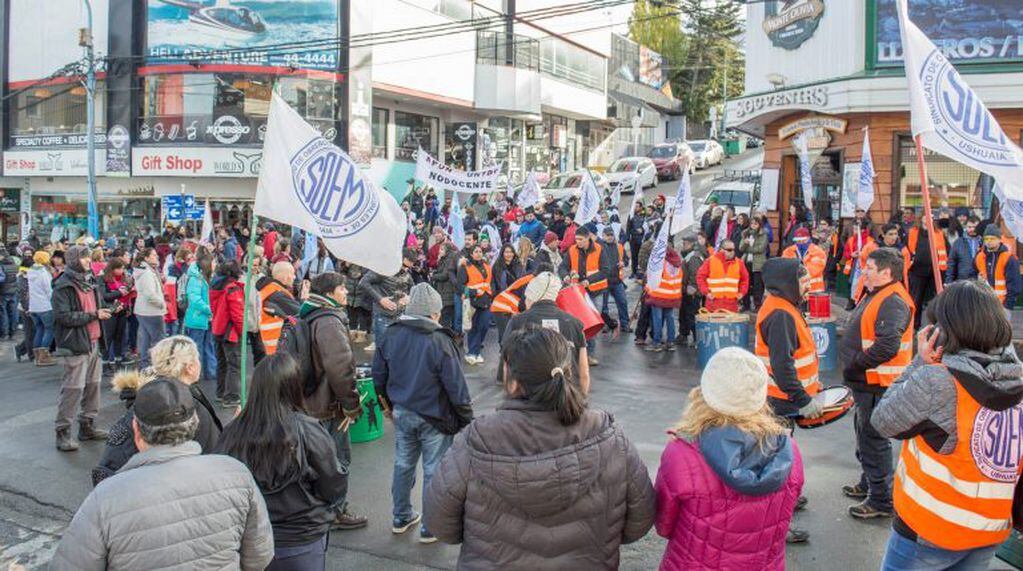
(575,301)
(819,305)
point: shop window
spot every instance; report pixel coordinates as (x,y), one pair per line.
(58,111)
(57,217)
(380,120)
(952,184)
(572,63)
(227,109)
(413,131)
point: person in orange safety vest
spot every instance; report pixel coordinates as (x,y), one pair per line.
(723,279)
(921,275)
(876,349)
(584,264)
(959,412)
(813,258)
(997,266)
(277,302)
(889,239)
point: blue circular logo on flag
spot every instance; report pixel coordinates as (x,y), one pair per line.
(330,187)
(996,444)
(960,118)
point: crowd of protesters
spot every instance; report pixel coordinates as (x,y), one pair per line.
(562,486)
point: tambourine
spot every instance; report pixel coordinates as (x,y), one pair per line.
(838,401)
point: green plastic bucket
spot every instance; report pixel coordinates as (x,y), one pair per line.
(370,425)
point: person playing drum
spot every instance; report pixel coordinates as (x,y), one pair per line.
(876,348)
(785,344)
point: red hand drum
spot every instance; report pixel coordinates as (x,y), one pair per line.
(838,401)
(819,305)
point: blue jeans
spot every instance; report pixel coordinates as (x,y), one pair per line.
(343,447)
(309,557)
(151,332)
(659,317)
(478,333)
(617,292)
(43,322)
(906,555)
(456,324)
(380,323)
(413,437)
(207,351)
(8,314)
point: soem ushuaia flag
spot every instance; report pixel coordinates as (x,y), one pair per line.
(589,201)
(683,216)
(655,267)
(950,118)
(308,182)
(865,192)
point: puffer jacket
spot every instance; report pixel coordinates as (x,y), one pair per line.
(723,503)
(149,285)
(219,520)
(199,312)
(375,287)
(9,285)
(519,490)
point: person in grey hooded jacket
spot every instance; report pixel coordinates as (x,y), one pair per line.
(169,507)
(544,482)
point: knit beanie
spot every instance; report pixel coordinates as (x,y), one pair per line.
(734,382)
(423,301)
(993,230)
(544,287)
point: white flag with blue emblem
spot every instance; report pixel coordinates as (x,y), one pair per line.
(456,227)
(655,267)
(684,216)
(206,235)
(589,201)
(1011,211)
(529,194)
(949,117)
(865,192)
(805,177)
(306,181)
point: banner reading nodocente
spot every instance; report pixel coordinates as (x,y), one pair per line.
(307,182)
(439,176)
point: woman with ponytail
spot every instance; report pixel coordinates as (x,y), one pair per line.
(545,482)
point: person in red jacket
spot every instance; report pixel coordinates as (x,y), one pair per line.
(723,279)
(227,298)
(730,476)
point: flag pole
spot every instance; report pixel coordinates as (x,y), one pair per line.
(928,219)
(249,283)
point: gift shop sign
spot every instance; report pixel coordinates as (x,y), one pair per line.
(55,162)
(218,162)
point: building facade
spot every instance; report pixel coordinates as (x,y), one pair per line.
(834,68)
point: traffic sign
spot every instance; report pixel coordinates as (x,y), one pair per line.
(196,213)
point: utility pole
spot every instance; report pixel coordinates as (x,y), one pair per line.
(724,104)
(85,40)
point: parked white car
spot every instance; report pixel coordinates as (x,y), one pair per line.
(570,184)
(628,171)
(738,195)
(708,152)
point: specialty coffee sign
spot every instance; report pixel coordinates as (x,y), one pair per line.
(789,23)
(61,140)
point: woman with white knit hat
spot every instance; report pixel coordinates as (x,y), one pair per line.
(730,475)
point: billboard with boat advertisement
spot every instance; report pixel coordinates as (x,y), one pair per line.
(297,33)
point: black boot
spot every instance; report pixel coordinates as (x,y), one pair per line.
(88,431)
(64,441)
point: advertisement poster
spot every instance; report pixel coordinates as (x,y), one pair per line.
(967,30)
(650,68)
(233,31)
(850,186)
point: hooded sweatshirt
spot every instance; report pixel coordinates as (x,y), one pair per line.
(778,330)
(724,501)
(922,402)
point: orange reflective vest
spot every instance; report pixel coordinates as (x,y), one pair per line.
(998,280)
(963,500)
(592,267)
(939,246)
(478,281)
(508,301)
(869,249)
(670,288)
(886,373)
(270,326)
(815,260)
(804,357)
(724,282)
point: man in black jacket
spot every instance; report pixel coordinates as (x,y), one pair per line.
(77,312)
(873,341)
(418,378)
(8,295)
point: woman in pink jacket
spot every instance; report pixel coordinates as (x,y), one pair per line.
(730,476)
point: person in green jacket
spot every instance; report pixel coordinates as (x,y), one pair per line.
(198,313)
(753,248)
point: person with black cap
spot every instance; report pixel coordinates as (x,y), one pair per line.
(77,313)
(999,267)
(125,522)
(418,378)
(388,293)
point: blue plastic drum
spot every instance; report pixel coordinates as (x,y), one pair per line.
(714,334)
(825,336)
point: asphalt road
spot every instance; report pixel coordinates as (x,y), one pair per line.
(40,488)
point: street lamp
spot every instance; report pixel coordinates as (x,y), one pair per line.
(85,40)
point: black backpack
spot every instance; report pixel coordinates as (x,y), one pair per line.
(297,340)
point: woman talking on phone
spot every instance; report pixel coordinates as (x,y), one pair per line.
(958,409)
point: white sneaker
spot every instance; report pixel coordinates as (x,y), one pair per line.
(470,360)
(370,348)
(479,359)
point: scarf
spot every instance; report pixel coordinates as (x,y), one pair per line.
(316,301)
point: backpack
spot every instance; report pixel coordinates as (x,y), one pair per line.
(182,297)
(297,340)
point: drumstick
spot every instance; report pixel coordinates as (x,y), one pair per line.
(343,427)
